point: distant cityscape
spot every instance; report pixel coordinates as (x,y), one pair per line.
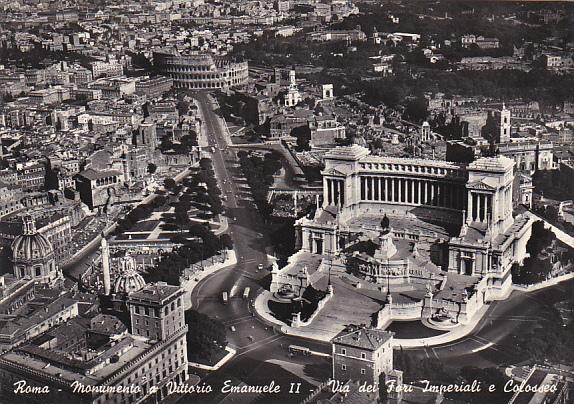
(290,201)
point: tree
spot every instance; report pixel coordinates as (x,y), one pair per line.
(303,135)
(169,183)
(416,110)
(206,337)
(151,168)
(551,213)
(183,107)
(541,238)
(226,241)
(140,61)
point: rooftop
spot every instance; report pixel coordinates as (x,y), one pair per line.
(92,174)
(68,369)
(365,338)
(156,293)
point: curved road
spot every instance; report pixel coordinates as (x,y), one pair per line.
(261,351)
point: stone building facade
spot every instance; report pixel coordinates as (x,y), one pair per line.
(472,203)
(362,355)
(201,71)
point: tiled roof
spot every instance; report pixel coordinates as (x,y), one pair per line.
(365,338)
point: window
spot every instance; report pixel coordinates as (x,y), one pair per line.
(343,367)
(343,351)
(362,371)
(363,355)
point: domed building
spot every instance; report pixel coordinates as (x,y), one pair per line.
(128,280)
(33,255)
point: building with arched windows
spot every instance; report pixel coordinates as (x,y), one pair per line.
(97,187)
(201,71)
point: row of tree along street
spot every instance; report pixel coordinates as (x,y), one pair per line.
(196,240)
(259,173)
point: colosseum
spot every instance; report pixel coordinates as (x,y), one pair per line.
(199,71)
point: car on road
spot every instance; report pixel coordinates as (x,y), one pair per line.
(232,328)
(260,267)
(296,349)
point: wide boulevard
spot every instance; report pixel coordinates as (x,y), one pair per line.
(262,354)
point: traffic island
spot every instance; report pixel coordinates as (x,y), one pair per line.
(230,354)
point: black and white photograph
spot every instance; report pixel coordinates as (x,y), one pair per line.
(286,202)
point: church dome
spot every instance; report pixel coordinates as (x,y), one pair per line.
(31,246)
(129,280)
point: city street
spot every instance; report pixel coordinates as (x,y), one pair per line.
(263,351)
(490,343)
(260,349)
(270,202)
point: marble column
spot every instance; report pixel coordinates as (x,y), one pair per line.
(420,196)
(406,190)
(383,189)
(470,211)
(484,208)
(392,189)
(479,207)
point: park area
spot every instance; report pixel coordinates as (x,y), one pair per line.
(186,214)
